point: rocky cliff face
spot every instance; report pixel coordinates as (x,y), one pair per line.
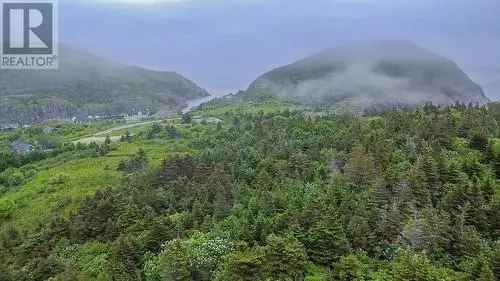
(88,85)
(375,74)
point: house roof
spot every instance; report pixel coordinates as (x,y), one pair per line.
(19,146)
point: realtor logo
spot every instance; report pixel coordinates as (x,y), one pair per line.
(29,35)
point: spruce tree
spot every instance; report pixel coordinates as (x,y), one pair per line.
(495,262)
(174,263)
(326,241)
(285,258)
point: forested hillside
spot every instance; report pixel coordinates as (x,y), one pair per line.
(265,193)
(371,75)
(85,85)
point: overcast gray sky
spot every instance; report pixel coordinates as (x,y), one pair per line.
(223,45)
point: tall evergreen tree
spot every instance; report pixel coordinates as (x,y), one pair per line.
(174,264)
(326,241)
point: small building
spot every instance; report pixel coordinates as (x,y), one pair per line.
(118,117)
(136,117)
(20,147)
(81,119)
(48,130)
(8,127)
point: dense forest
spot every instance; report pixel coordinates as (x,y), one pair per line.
(404,194)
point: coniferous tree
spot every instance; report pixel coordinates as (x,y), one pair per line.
(352,267)
(431,177)
(486,274)
(326,241)
(124,262)
(174,263)
(361,167)
(496,262)
(245,265)
(285,258)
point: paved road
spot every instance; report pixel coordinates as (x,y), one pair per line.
(101,136)
(123,127)
(98,140)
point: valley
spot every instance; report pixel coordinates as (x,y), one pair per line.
(369,162)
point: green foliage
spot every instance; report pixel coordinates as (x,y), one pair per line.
(326,242)
(246,265)
(186,118)
(174,262)
(263,196)
(7,207)
(495,262)
(134,164)
(413,267)
(12,177)
(361,167)
(205,254)
(124,261)
(285,258)
(316,273)
(354,267)
(90,259)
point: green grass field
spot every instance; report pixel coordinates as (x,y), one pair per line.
(59,184)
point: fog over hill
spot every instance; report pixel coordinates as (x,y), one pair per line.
(489,79)
(224,44)
(86,85)
(371,74)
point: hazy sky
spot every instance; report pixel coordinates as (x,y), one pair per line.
(223,45)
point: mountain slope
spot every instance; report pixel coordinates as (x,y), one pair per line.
(363,76)
(86,85)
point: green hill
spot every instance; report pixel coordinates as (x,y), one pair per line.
(89,85)
(376,74)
